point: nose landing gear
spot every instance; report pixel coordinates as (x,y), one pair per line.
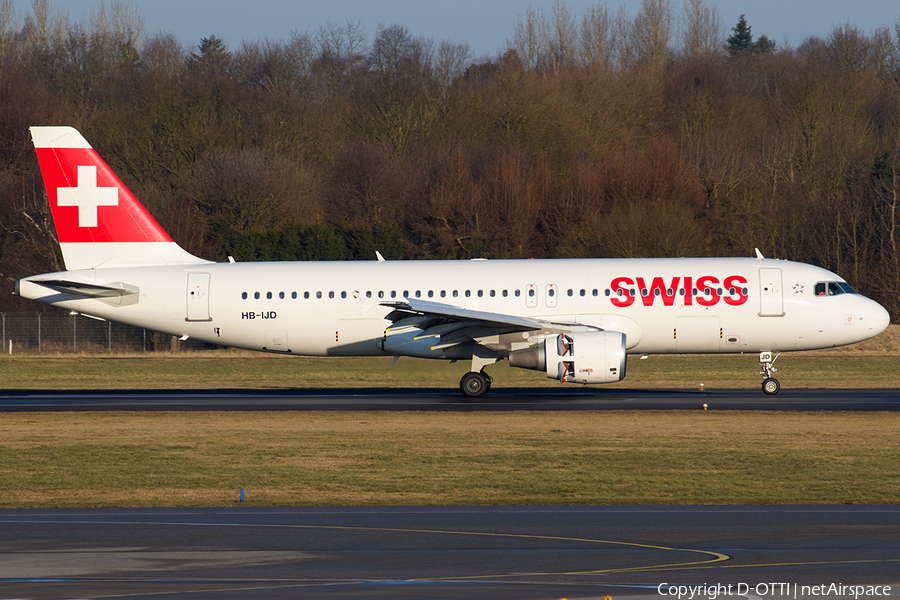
(770,385)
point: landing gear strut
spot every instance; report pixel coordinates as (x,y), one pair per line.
(475,384)
(770,385)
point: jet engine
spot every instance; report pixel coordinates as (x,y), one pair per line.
(584,357)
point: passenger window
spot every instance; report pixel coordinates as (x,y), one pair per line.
(443,293)
(318,295)
(331,294)
(268,295)
(244,296)
(492,293)
(468,293)
(293,295)
(343,294)
(306,295)
(256,295)
(531,292)
(505,293)
(480,293)
(281,295)
(380,294)
(368,294)
(455,293)
(430,293)
(418,293)
(518,293)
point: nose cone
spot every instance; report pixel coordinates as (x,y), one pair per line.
(876,319)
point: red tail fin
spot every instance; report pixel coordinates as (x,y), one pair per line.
(98,220)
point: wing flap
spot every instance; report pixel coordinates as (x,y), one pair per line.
(449,313)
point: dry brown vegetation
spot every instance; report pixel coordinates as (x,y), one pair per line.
(595,135)
(191,459)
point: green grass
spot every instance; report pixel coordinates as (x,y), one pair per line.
(204,459)
(303,458)
(224,370)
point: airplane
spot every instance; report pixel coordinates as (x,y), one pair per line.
(576,320)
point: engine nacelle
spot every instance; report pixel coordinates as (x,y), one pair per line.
(584,357)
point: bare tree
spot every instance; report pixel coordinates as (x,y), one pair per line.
(163,56)
(8,18)
(45,29)
(626,53)
(451,62)
(598,36)
(883,51)
(703,30)
(563,34)
(652,32)
(530,39)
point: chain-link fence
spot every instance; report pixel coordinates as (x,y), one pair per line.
(59,332)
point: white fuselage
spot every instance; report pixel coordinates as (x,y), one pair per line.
(334,308)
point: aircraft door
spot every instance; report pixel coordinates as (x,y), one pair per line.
(198,297)
(771,298)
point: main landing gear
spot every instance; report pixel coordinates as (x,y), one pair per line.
(770,385)
(475,384)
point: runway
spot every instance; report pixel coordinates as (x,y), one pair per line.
(444,552)
(499,399)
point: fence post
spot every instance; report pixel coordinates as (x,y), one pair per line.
(74,335)
(109,336)
(39,331)
(3,339)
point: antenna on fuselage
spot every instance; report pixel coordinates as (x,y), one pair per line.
(379,256)
(758,253)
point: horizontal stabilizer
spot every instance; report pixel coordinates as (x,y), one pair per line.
(88,290)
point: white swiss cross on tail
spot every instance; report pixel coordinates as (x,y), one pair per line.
(112,229)
(87,196)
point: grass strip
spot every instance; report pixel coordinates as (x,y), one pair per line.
(319,459)
(234,369)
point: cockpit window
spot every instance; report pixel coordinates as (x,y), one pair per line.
(833,288)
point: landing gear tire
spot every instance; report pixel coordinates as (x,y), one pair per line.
(771,386)
(474,385)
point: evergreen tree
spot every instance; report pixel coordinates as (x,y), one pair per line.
(741,40)
(763,45)
(212,59)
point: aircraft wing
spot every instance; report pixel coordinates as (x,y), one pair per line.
(455,325)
